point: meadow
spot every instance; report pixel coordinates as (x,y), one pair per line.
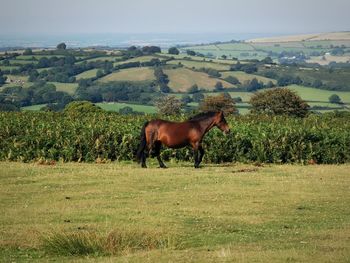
(77,212)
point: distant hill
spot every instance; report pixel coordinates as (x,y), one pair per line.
(335,36)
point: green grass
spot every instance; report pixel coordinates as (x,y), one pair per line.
(22,62)
(130,74)
(87,74)
(33,107)
(139,59)
(116,106)
(220,213)
(105,58)
(312,94)
(66,87)
(8,67)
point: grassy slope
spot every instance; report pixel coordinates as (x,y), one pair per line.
(243,77)
(131,74)
(218,213)
(87,74)
(66,87)
(200,64)
(181,79)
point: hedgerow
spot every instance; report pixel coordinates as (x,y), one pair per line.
(30,136)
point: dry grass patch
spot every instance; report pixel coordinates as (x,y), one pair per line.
(131,74)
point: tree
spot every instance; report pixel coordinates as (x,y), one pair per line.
(233,80)
(279,101)
(219,86)
(218,103)
(151,49)
(174,51)
(126,110)
(197,97)
(61,46)
(193,89)
(28,52)
(81,107)
(186,99)
(99,74)
(334,98)
(2,78)
(190,52)
(168,105)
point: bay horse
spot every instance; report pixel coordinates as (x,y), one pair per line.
(178,135)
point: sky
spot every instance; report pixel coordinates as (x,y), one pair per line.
(25,17)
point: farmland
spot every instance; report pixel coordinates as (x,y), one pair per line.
(128,76)
(225,213)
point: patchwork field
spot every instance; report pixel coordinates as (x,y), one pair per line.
(182,79)
(200,64)
(131,74)
(87,74)
(220,213)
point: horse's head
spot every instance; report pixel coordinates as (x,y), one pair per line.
(221,122)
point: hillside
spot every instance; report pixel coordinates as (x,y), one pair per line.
(335,36)
(120,78)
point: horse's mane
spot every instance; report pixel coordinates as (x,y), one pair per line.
(202,116)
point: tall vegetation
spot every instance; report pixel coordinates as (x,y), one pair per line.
(279,101)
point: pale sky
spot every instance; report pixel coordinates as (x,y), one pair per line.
(21,17)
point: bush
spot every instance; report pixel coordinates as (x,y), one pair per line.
(279,101)
(218,103)
(168,105)
(334,98)
(81,107)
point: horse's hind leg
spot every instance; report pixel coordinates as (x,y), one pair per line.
(157,146)
(201,154)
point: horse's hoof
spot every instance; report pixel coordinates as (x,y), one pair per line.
(163,167)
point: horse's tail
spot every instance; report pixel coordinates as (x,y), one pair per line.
(143,143)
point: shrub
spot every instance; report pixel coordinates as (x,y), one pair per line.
(279,101)
(334,98)
(168,105)
(81,107)
(217,103)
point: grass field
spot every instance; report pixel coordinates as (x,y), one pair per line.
(243,77)
(87,74)
(116,106)
(130,74)
(220,213)
(66,87)
(33,107)
(139,59)
(312,94)
(181,79)
(200,64)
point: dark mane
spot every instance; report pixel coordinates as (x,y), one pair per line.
(202,116)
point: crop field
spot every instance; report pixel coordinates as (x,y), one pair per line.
(200,64)
(131,74)
(87,74)
(243,77)
(220,213)
(116,106)
(181,79)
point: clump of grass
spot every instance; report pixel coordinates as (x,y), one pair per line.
(81,243)
(73,244)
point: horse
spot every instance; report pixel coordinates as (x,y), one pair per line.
(176,135)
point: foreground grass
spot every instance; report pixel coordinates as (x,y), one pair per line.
(217,213)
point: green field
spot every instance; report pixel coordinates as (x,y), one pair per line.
(87,74)
(139,59)
(220,213)
(116,106)
(66,87)
(312,94)
(22,62)
(243,77)
(130,74)
(33,107)
(200,64)
(181,79)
